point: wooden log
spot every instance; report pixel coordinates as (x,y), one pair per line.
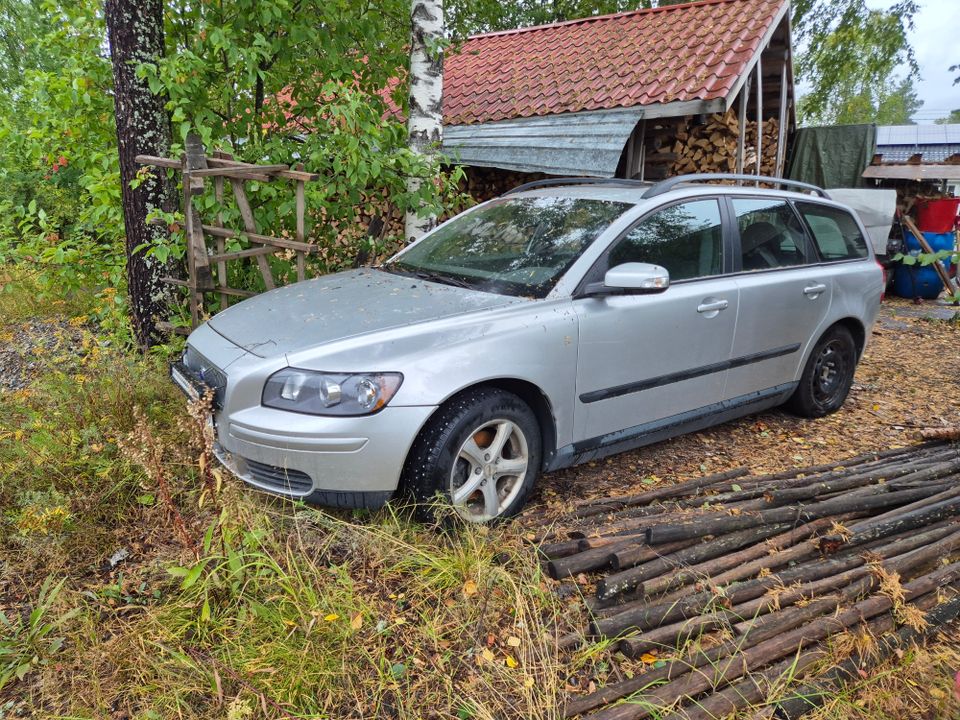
(675,634)
(811,696)
(827,573)
(633,577)
(671,491)
(600,557)
(706,570)
(692,684)
(718,524)
(896,512)
(905,473)
(756,688)
(896,525)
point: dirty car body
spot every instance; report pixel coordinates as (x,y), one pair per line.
(536,331)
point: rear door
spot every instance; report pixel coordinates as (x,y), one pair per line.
(784,296)
(647,359)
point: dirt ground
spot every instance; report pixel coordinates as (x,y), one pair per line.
(908,379)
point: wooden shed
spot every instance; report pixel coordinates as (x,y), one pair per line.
(643,94)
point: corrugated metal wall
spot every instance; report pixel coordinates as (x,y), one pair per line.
(586,143)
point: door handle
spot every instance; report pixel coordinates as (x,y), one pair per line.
(712,306)
(813,290)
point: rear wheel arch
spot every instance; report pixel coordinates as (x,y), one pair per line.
(857,330)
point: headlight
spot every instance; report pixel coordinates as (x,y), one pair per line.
(321,393)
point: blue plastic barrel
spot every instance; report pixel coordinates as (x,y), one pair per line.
(911,281)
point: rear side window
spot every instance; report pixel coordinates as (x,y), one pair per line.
(771,235)
(835,233)
(686,239)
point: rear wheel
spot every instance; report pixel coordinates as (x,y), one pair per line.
(827,376)
(481,451)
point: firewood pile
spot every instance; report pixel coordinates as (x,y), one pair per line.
(712,146)
(735,580)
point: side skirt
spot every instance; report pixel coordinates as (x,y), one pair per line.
(658,430)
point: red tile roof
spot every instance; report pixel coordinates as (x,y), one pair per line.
(694,51)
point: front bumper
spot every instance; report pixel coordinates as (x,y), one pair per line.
(339,462)
(352,462)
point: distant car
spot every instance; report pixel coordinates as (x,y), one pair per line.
(565,321)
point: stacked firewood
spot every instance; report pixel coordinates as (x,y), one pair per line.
(712,146)
(747,576)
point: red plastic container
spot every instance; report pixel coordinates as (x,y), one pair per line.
(937,216)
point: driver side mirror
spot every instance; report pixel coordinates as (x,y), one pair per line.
(630,279)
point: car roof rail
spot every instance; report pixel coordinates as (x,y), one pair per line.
(669,184)
(554,182)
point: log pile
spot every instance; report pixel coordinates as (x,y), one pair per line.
(734,580)
(712,146)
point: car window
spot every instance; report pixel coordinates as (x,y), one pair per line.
(686,239)
(771,235)
(835,233)
(512,246)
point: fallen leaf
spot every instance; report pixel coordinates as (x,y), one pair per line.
(513,641)
(331,617)
(487,655)
(356,622)
(511,663)
(469,588)
(648,658)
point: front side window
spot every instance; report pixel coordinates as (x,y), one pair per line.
(835,233)
(771,235)
(686,239)
(511,246)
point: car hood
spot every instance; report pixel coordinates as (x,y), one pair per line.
(334,307)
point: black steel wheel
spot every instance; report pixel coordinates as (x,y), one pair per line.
(827,376)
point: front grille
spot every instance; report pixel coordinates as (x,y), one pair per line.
(207,373)
(283,479)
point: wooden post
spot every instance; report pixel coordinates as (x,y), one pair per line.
(759,114)
(742,130)
(301,209)
(782,129)
(192,294)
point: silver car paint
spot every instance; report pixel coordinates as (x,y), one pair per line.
(444,339)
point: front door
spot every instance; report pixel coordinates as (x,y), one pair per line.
(647,361)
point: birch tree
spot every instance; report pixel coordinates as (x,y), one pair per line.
(135,32)
(425,121)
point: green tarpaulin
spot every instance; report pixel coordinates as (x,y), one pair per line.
(833,157)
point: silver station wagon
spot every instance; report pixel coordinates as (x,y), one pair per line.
(564,321)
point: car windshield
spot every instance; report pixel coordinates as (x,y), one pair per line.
(510,246)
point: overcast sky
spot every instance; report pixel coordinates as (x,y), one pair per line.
(935,41)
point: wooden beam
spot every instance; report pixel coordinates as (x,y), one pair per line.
(782,128)
(221,266)
(249,252)
(759,114)
(159,161)
(301,207)
(742,129)
(250,225)
(224,162)
(261,239)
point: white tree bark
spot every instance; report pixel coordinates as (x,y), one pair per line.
(425,122)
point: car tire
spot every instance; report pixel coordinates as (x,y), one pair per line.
(449,458)
(827,376)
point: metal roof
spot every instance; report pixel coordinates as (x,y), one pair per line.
(692,53)
(912,172)
(927,153)
(584,143)
(916,135)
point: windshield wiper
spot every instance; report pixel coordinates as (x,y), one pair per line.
(431,277)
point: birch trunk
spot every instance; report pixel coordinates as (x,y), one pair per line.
(135,32)
(425,122)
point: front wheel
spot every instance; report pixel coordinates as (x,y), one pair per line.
(827,376)
(481,451)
